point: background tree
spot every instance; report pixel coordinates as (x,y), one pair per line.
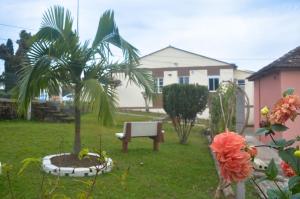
(182,102)
(13,61)
(58,58)
(7,54)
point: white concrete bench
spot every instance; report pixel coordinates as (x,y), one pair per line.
(152,130)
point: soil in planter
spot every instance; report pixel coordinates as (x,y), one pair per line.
(72,160)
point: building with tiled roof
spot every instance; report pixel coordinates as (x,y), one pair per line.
(271,81)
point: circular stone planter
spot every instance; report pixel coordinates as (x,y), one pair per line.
(75,172)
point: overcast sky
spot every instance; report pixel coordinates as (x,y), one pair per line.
(249,33)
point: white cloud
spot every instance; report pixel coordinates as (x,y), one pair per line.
(248,33)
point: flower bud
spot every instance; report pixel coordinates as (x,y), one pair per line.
(265,110)
(297,153)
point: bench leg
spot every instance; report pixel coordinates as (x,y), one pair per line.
(125,146)
(155,145)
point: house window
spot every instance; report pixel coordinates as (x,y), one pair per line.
(241,82)
(158,83)
(184,80)
(213,83)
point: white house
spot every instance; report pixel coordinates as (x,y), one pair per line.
(173,65)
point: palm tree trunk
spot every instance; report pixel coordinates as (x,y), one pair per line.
(77,139)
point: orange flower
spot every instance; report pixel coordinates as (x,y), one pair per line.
(287,169)
(286,108)
(228,141)
(252,151)
(234,161)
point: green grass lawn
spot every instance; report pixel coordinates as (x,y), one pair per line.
(176,171)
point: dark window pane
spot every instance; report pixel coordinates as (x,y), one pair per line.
(160,84)
(180,80)
(161,81)
(241,82)
(183,80)
(211,84)
(216,83)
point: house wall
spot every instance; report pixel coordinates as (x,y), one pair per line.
(226,75)
(290,79)
(267,90)
(129,95)
(170,77)
(198,77)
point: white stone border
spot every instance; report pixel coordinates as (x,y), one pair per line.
(75,172)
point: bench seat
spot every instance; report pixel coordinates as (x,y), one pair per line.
(151,129)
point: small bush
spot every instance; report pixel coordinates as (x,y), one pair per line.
(182,102)
(227,94)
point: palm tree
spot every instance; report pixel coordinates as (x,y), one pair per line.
(57,58)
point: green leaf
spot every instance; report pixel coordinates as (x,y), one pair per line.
(81,195)
(293,181)
(101,100)
(272,171)
(83,153)
(287,155)
(290,142)
(273,194)
(279,127)
(296,189)
(262,131)
(289,91)
(27,162)
(281,143)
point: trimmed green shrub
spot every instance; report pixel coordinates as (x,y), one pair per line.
(182,102)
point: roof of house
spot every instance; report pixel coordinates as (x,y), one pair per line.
(185,51)
(246,71)
(290,60)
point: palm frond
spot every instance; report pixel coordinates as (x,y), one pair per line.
(108,33)
(35,79)
(139,76)
(56,24)
(106,28)
(100,99)
(42,70)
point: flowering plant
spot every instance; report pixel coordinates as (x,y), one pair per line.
(285,109)
(234,156)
